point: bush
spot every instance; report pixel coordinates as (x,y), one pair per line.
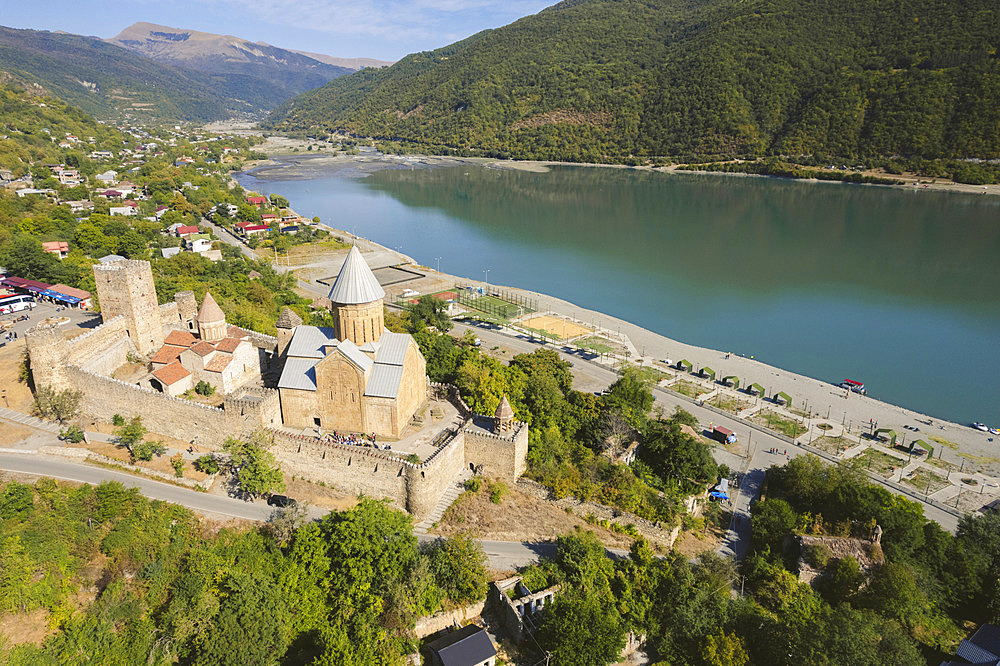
(474,484)
(59,405)
(817,555)
(207,464)
(498,491)
(177,462)
(118,420)
(146,450)
(73,434)
(204,388)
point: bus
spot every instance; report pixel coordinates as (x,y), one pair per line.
(16,303)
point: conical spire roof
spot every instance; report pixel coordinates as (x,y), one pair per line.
(288,318)
(210,311)
(356,283)
(504,410)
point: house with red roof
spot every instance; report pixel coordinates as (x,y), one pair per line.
(58,248)
(257,201)
(185,230)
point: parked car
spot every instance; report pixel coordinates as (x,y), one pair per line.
(282,501)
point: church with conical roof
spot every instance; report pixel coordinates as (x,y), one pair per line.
(356,376)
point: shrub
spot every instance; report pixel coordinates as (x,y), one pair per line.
(474,484)
(146,450)
(60,405)
(73,434)
(817,555)
(118,420)
(177,462)
(497,492)
(207,464)
(204,388)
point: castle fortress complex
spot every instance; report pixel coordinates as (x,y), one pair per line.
(356,377)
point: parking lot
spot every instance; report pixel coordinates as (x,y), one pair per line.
(42,311)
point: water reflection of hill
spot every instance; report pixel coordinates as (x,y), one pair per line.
(740,233)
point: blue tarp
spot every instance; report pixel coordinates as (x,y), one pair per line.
(72,300)
(718,495)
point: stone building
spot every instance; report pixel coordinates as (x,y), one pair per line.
(356,376)
(125,289)
(216,353)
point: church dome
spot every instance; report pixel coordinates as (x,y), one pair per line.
(210,312)
(356,283)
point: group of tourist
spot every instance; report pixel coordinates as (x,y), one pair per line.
(11,335)
(354,440)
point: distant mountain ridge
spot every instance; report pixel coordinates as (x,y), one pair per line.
(596,80)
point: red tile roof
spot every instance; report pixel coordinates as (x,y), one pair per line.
(182,338)
(228,345)
(234,332)
(66,290)
(218,364)
(202,348)
(187,229)
(55,246)
(167,354)
(171,374)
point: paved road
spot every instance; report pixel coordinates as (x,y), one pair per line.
(502,555)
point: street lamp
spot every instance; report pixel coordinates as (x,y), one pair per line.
(438,260)
(487,271)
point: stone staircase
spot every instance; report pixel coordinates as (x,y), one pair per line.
(450,495)
(30,421)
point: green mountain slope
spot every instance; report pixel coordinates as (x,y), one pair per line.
(597,79)
(109,81)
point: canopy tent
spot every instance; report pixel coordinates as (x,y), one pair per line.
(33,286)
(708,372)
(755,389)
(731,380)
(782,398)
(921,444)
(685,365)
(887,431)
(56,296)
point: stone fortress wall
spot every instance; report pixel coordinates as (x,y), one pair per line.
(86,362)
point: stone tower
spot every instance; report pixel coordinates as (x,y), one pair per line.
(504,417)
(358,313)
(125,289)
(287,321)
(211,320)
(187,309)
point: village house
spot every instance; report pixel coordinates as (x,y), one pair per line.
(257,201)
(58,248)
(129,209)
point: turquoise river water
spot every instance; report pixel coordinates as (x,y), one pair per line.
(897,288)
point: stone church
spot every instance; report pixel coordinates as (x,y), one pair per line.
(356,376)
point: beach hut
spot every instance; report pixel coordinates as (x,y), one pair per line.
(889,432)
(755,389)
(708,373)
(731,381)
(684,365)
(782,398)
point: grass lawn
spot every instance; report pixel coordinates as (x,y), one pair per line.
(834,445)
(943,464)
(880,463)
(690,389)
(599,345)
(494,306)
(920,478)
(729,403)
(779,423)
(652,374)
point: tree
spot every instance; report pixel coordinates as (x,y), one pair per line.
(772,519)
(16,501)
(674,454)
(582,630)
(631,396)
(459,567)
(254,468)
(720,649)
(15,575)
(60,405)
(841,580)
(130,434)
(429,311)
(24,256)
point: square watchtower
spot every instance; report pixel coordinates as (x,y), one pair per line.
(125,289)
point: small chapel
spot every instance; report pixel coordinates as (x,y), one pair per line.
(356,376)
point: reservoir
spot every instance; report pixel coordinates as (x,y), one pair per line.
(898,288)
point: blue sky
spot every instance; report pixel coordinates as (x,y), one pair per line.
(385,29)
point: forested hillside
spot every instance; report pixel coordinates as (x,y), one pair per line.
(591,80)
(109,81)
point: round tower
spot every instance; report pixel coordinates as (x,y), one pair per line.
(211,320)
(356,296)
(187,308)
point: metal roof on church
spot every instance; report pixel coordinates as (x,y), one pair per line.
(355,355)
(299,373)
(384,381)
(356,283)
(308,341)
(392,348)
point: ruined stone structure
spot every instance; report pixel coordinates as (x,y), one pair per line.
(370,380)
(516,605)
